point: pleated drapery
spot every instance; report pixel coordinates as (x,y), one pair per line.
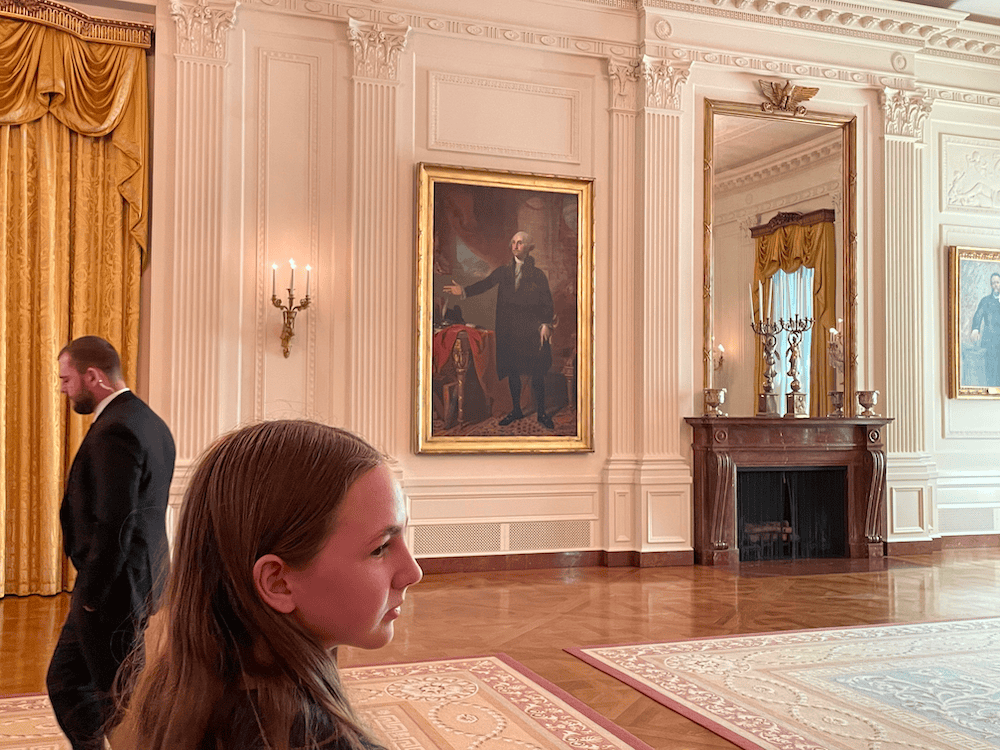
(786,243)
(73,205)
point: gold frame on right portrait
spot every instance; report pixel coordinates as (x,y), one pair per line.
(972,371)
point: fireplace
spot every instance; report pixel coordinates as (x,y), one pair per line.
(790,514)
(782,463)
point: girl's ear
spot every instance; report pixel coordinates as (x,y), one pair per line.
(269,579)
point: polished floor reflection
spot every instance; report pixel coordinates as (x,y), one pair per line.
(533,615)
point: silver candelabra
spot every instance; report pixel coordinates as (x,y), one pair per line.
(795,399)
(768,329)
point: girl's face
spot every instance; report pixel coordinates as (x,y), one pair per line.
(351,592)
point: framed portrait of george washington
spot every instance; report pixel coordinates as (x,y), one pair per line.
(505,299)
(974,325)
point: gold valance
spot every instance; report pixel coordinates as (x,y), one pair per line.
(93,89)
(79,24)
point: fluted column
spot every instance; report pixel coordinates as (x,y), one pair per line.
(665,477)
(909,335)
(622,464)
(376,334)
(196,304)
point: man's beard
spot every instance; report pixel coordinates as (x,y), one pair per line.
(85,403)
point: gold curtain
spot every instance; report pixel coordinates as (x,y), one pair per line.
(73,204)
(786,245)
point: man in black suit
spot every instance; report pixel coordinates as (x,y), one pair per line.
(113,518)
(523,324)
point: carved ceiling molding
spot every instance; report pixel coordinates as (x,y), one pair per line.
(963,97)
(203,27)
(909,26)
(377,49)
(663,80)
(79,24)
(905,112)
(777,168)
(625,75)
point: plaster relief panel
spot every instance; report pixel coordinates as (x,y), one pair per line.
(504,118)
(970,174)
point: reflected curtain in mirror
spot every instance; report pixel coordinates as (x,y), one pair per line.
(786,243)
(73,206)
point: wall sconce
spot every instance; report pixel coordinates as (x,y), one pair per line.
(290,310)
(718,356)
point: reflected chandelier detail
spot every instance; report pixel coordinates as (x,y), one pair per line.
(290,310)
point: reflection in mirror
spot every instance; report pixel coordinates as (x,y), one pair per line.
(779,242)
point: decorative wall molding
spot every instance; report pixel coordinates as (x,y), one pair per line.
(376,50)
(970,173)
(625,74)
(663,80)
(963,97)
(202,28)
(905,112)
(565,104)
(787,201)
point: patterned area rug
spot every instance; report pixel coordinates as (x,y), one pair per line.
(933,686)
(486,702)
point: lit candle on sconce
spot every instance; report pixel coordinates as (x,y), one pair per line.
(290,310)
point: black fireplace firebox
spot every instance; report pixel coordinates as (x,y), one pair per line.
(791,514)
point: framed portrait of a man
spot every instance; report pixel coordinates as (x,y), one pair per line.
(505,289)
(974,309)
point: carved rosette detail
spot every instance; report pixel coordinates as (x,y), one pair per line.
(376,50)
(202,28)
(663,81)
(905,112)
(625,76)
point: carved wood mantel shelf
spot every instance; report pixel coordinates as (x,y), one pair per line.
(722,445)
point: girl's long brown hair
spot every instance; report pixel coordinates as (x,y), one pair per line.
(272,487)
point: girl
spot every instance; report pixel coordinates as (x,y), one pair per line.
(290,544)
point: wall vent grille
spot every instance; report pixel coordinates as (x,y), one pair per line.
(538,536)
(457,538)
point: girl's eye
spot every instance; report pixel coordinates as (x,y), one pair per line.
(379,551)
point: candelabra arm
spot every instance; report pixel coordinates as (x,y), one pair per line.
(288,313)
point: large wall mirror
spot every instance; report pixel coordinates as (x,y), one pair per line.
(779,236)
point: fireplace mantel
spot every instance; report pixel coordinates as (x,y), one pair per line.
(722,445)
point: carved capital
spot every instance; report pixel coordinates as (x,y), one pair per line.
(905,112)
(624,76)
(663,81)
(376,50)
(202,27)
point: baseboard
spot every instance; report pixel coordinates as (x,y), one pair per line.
(541,560)
(966,541)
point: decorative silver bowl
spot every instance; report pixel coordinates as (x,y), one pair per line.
(714,398)
(867,400)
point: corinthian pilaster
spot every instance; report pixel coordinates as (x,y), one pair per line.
(665,476)
(196,302)
(663,81)
(621,469)
(377,255)
(909,331)
(202,27)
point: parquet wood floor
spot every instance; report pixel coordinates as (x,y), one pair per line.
(532,615)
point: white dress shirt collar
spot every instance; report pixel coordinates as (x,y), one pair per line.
(107,400)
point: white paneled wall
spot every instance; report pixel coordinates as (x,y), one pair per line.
(293,129)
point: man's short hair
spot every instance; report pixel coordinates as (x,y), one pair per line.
(994,274)
(529,241)
(93,351)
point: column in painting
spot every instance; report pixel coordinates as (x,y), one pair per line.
(197,295)
(665,475)
(909,331)
(377,337)
(621,530)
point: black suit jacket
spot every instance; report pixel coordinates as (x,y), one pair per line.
(113,513)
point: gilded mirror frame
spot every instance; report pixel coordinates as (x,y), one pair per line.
(847,125)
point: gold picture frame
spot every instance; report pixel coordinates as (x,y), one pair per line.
(472,344)
(974,322)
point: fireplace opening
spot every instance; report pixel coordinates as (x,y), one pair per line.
(787,514)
